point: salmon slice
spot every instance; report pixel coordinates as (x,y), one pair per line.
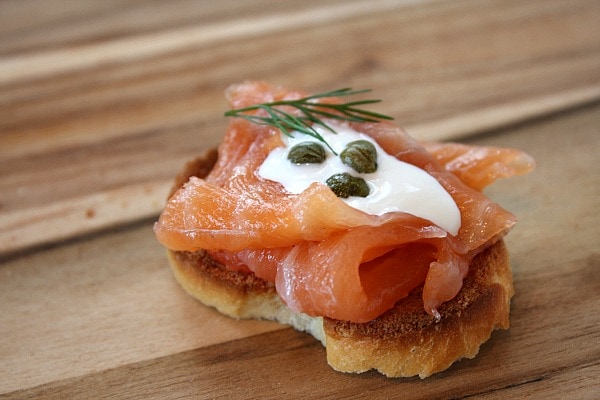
(232,209)
(358,284)
(327,258)
(481,218)
(480,166)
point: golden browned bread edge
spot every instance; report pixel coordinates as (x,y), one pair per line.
(236,294)
(405,341)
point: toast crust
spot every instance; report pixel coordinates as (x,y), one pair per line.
(404,341)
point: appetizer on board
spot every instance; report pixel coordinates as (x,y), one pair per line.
(320,214)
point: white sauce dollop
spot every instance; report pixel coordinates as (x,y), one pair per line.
(396,186)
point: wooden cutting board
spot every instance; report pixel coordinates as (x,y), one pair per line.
(102,102)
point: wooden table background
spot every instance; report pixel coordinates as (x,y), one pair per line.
(102,102)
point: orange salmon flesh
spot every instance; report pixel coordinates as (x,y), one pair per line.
(325,257)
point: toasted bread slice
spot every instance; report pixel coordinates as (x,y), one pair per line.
(405,341)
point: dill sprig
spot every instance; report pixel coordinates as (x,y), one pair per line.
(312,113)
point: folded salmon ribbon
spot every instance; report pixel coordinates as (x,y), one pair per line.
(325,257)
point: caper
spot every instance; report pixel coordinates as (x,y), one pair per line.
(360,155)
(307,153)
(345,185)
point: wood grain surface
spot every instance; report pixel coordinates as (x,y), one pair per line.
(102,102)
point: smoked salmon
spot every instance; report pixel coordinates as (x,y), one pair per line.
(325,257)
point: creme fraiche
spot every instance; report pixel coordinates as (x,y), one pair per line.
(395,186)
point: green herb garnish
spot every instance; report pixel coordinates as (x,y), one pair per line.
(312,113)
